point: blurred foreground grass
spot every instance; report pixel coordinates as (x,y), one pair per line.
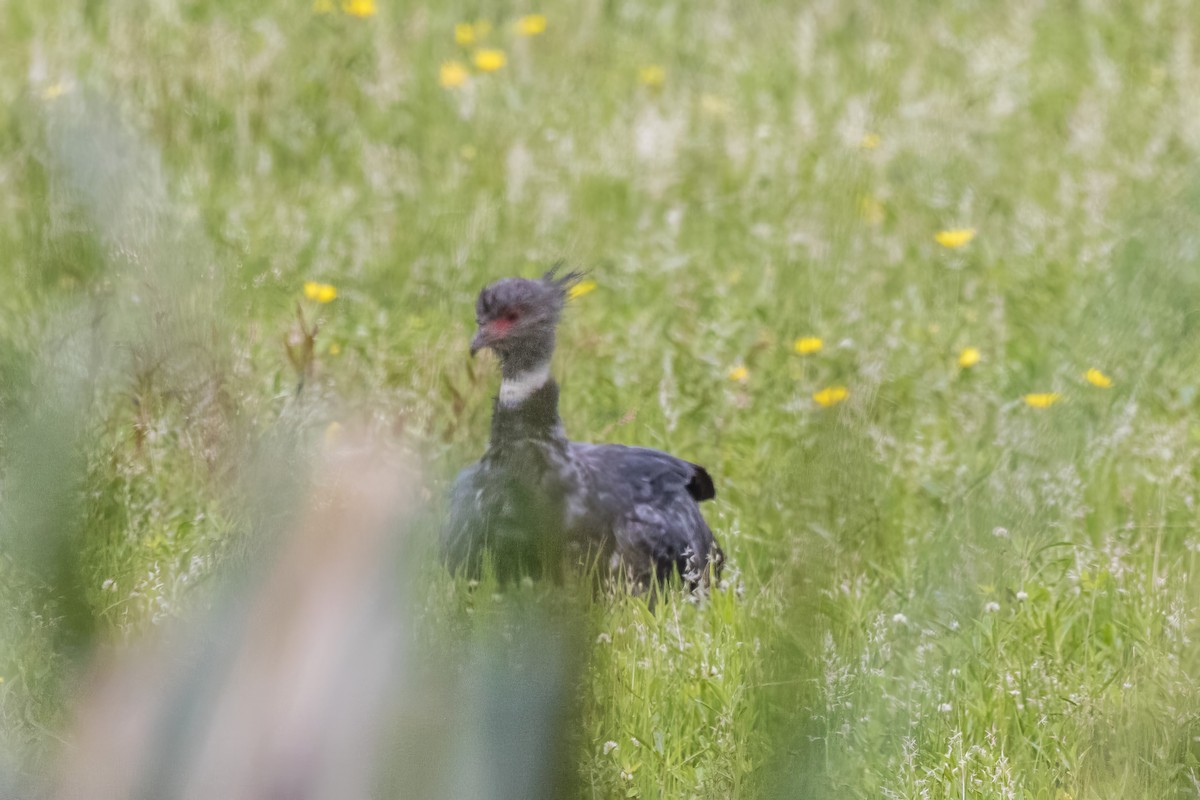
(938,585)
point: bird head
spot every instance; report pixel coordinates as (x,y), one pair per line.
(517,318)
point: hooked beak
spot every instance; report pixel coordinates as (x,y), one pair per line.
(490,334)
(480,341)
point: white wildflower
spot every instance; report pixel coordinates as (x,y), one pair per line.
(992,607)
(609,746)
(945,708)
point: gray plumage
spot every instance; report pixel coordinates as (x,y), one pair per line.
(536,501)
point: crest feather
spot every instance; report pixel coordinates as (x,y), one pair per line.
(565,281)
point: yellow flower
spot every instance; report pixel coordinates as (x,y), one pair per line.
(968,357)
(453,74)
(1042,399)
(489,59)
(739,374)
(652,75)
(831,396)
(469,33)
(335,349)
(359,8)
(531,24)
(869,141)
(464,34)
(580,289)
(807,345)
(954,238)
(1097,378)
(321,292)
(870,209)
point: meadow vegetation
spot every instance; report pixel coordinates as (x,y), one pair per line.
(918,283)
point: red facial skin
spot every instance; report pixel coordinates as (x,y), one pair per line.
(494,331)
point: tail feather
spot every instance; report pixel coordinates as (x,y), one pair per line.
(700,486)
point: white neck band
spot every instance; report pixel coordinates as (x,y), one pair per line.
(516,390)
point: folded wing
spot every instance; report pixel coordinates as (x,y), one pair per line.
(648,500)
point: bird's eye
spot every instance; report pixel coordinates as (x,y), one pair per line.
(511,316)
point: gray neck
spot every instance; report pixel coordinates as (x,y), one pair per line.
(534,418)
(531,355)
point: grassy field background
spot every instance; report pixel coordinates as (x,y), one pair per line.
(936,588)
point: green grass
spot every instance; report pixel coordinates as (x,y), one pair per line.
(934,590)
